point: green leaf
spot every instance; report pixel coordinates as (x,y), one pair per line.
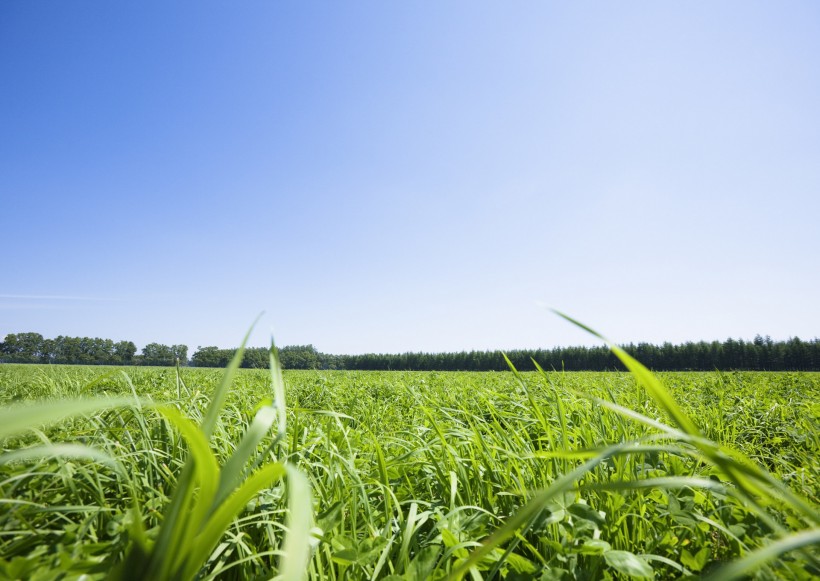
(206,468)
(520,564)
(594,547)
(586,512)
(758,557)
(697,561)
(628,564)
(174,545)
(278,389)
(422,565)
(645,377)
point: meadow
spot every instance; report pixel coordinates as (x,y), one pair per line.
(332,475)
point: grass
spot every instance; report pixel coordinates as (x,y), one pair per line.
(191,473)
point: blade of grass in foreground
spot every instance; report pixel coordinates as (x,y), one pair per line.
(750,480)
(221,392)
(564,483)
(294,563)
(208,499)
(17,419)
(220,520)
(760,557)
(234,469)
(174,535)
(645,377)
(76,451)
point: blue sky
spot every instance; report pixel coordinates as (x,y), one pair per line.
(384,176)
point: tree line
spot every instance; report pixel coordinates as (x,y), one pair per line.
(761,354)
(33,348)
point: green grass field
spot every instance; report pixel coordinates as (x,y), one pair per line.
(407,475)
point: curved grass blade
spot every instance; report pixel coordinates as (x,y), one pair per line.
(645,377)
(17,419)
(183,515)
(219,521)
(668,483)
(234,469)
(749,479)
(206,467)
(754,560)
(562,484)
(221,391)
(78,451)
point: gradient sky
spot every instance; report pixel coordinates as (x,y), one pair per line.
(410,176)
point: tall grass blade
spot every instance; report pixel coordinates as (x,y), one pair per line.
(759,557)
(221,391)
(18,418)
(562,484)
(75,451)
(219,521)
(234,469)
(294,563)
(645,377)
(278,383)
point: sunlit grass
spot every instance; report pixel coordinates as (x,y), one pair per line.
(370,475)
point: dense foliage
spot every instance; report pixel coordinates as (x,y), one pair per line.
(33,348)
(292,357)
(411,470)
(761,354)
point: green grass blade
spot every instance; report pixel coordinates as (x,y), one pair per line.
(206,467)
(76,451)
(294,563)
(759,557)
(646,379)
(564,483)
(749,479)
(234,469)
(278,383)
(16,419)
(183,517)
(221,391)
(220,520)
(667,483)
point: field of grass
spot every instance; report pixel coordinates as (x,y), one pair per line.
(411,475)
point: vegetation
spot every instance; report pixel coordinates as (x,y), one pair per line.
(543,475)
(33,348)
(761,354)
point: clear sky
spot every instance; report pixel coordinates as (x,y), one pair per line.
(409,176)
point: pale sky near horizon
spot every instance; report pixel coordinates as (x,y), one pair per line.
(389,177)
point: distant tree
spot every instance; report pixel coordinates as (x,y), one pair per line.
(23,347)
(158,354)
(124,352)
(299,357)
(180,353)
(212,357)
(47,351)
(256,358)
